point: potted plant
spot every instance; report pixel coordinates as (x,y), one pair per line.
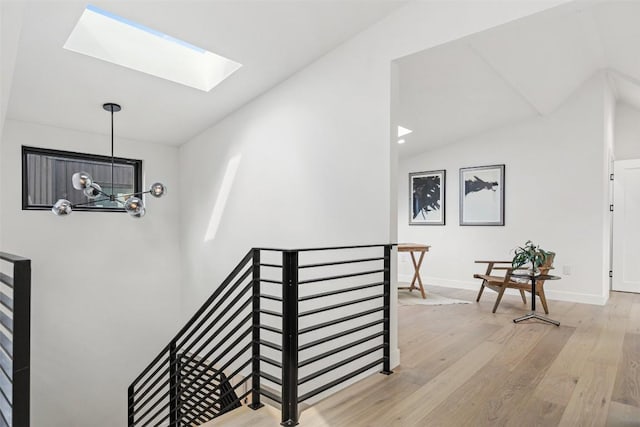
(532,254)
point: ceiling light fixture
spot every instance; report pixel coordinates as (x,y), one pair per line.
(132,203)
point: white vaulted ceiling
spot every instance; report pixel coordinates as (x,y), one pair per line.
(517,71)
(272,39)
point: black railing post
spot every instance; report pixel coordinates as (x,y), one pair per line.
(130,406)
(255,352)
(21,341)
(174,404)
(289,338)
(386,369)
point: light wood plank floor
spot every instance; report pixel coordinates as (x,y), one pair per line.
(461,365)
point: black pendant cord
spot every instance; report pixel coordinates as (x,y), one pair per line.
(112,159)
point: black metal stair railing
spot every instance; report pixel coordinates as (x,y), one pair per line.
(15,341)
(334,326)
(287,325)
(199,374)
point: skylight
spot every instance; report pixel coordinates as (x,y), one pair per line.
(402,131)
(112,38)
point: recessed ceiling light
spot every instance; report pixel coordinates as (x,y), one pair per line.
(112,38)
(403,131)
(401,141)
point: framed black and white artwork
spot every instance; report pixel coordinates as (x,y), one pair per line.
(482,195)
(426,198)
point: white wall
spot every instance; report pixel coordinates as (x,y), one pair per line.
(555,187)
(105,286)
(10,27)
(627,132)
(314,155)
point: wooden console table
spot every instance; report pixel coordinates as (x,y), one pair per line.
(413,249)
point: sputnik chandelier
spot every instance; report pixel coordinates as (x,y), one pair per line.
(132,203)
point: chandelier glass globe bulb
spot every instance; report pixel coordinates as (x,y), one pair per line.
(134,205)
(62,207)
(81,180)
(158,189)
(140,214)
(92,191)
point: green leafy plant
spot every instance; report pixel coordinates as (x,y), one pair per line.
(529,253)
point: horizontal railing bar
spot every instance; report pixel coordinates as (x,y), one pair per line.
(270,395)
(154,406)
(7,280)
(351,261)
(340,334)
(167,368)
(6,301)
(270,312)
(339,364)
(271,297)
(278,282)
(340,276)
(157,414)
(271,345)
(339,349)
(210,313)
(271,329)
(271,378)
(339,291)
(198,313)
(271,361)
(226,323)
(5,256)
(264,264)
(339,305)
(339,320)
(6,321)
(329,248)
(340,380)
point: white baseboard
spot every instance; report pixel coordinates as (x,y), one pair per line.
(475,286)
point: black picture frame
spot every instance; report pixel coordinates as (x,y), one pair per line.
(427,197)
(482,195)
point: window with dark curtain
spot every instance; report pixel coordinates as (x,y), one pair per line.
(46,177)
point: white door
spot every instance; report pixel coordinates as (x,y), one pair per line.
(626,226)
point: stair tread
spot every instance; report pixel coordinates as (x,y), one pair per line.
(246,417)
